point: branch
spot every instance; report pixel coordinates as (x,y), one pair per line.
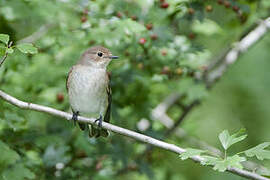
(122,131)
(36,35)
(181,133)
(6,54)
(240,47)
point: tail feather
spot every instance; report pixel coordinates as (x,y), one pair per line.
(97,132)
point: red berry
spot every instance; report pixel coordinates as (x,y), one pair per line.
(85,11)
(142,41)
(164,5)
(161,1)
(60,97)
(119,14)
(83,19)
(220,2)
(191,36)
(149,26)
(134,18)
(165,70)
(164,52)
(154,37)
(235,8)
(227,4)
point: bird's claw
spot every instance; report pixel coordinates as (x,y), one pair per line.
(75,117)
(99,120)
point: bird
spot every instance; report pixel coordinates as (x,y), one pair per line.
(89,91)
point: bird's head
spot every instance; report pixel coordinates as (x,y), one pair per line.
(97,56)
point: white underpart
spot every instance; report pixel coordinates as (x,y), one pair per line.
(87,90)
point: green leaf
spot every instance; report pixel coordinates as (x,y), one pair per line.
(209,160)
(227,140)
(8,156)
(4,38)
(259,151)
(27,48)
(18,172)
(190,153)
(223,164)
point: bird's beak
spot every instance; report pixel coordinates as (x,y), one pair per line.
(113,57)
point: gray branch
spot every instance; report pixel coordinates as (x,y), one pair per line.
(122,131)
(37,35)
(239,48)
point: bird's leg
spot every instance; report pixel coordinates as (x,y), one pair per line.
(75,117)
(99,120)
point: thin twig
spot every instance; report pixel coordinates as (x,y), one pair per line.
(122,131)
(36,35)
(6,54)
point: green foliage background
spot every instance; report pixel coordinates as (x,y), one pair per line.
(35,145)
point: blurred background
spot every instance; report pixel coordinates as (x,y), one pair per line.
(165,46)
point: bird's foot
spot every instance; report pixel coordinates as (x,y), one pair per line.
(99,120)
(75,117)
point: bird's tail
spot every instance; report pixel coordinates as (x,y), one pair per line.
(97,132)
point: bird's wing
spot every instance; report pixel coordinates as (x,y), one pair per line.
(109,93)
(67,79)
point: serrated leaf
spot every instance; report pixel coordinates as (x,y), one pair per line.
(209,160)
(259,151)
(227,140)
(4,38)
(18,172)
(27,48)
(233,161)
(223,164)
(190,153)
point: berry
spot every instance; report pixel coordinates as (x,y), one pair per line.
(164,52)
(85,11)
(220,2)
(134,18)
(235,8)
(165,70)
(149,26)
(227,4)
(191,11)
(191,36)
(154,37)
(209,8)
(161,1)
(83,19)
(119,14)
(164,5)
(60,97)
(142,41)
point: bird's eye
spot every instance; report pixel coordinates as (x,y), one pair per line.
(100,54)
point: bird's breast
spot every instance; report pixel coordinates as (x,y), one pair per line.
(87,90)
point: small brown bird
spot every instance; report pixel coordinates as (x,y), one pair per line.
(89,91)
